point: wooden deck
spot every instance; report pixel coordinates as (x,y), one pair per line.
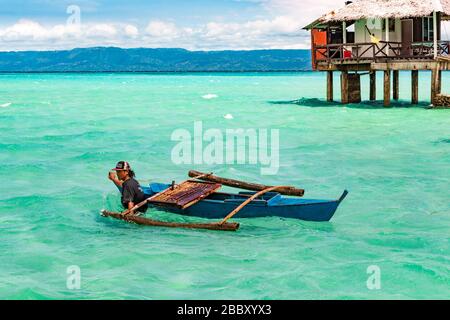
(380,56)
(391,64)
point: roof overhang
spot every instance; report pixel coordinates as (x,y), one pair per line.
(383,9)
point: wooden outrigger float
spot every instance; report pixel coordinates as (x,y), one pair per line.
(153,223)
(199,197)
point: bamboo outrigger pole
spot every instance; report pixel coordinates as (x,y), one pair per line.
(288,191)
(246,202)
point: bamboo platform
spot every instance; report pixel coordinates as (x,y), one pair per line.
(185,194)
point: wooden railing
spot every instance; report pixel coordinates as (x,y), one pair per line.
(427,48)
(374,51)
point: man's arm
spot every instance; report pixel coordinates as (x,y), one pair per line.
(113,178)
(131,206)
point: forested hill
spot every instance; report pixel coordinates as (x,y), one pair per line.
(110,59)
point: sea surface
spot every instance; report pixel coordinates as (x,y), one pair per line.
(62,133)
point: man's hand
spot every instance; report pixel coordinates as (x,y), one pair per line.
(112,176)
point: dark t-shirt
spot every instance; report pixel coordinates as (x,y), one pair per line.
(132,192)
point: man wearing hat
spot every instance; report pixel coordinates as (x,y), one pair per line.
(123,177)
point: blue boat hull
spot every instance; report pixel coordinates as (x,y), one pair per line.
(219,205)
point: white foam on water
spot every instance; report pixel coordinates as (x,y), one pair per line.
(228,116)
(6,105)
(210,96)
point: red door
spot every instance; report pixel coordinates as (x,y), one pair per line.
(318,38)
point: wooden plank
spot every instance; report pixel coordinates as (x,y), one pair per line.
(443,58)
(354,88)
(387,88)
(153,223)
(289,191)
(396,92)
(373,85)
(185,194)
(344,87)
(439,85)
(330,86)
(404,65)
(434,85)
(415,86)
(362,66)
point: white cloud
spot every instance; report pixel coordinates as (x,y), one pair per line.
(282,31)
(304,11)
(24,30)
(282,24)
(162,29)
(131,31)
(31,35)
(101,31)
(28,32)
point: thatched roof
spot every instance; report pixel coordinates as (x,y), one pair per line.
(369,9)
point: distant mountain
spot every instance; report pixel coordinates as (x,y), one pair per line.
(154,60)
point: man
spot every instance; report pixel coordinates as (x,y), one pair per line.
(132,193)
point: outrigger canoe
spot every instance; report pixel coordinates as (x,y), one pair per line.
(272,204)
(199,197)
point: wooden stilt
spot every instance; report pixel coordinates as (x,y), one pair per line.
(387,88)
(396,84)
(354,88)
(434,85)
(415,86)
(439,86)
(373,85)
(330,86)
(344,87)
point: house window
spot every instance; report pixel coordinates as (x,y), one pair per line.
(391,25)
(428,29)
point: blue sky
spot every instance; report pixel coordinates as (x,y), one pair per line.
(186,11)
(190,24)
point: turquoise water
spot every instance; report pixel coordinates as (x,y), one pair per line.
(60,134)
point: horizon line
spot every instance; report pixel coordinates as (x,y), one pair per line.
(148,48)
(157,72)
